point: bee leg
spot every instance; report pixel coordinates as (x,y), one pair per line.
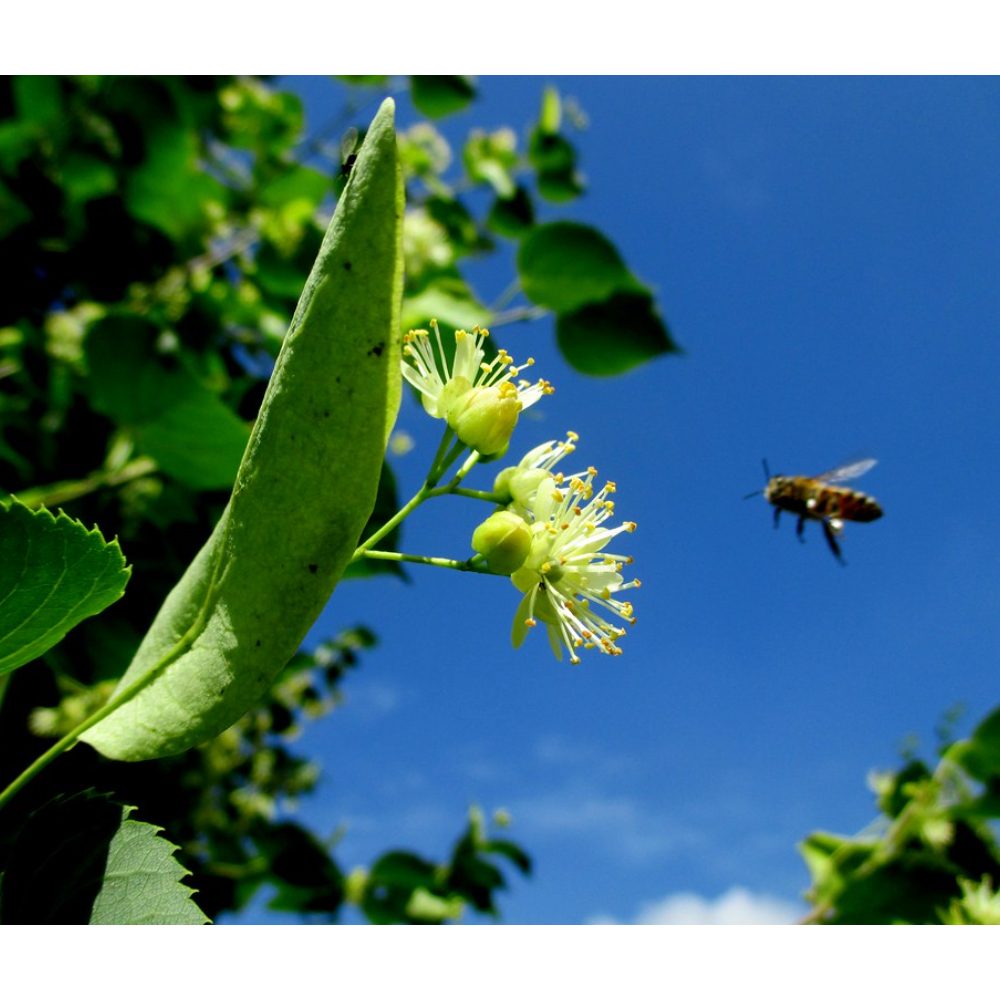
(800,528)
(831,540)
(777,516)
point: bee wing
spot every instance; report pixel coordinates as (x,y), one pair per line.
(844,472)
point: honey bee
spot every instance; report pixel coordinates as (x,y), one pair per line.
(816,498)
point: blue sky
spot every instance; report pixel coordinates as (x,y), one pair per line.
(826,252)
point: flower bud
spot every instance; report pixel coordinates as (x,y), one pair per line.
(484,418)
(519,485)
(505,540)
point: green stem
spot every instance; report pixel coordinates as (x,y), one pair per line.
(467,566)
(46,758)
(443,460)
(446,463)
(421,495)
(55,494)
(437,470)
(67,742)
(4,681)
(461,491)
(466,468)
(70,739)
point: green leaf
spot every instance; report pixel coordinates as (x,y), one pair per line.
(305,489)
(560,185)
(308,878)
(552,155)
(86,177)
(447,299)
(980,753)
(512,852)
(512,217)
(898,790)
(16,142)
(371,80)
(169,190)
(608,338)
(53,574)
(297,183)
(81,860)
(130,380)
(492,157)
(199,440)
(550,117)
(38,99)
(437,96)
(13,211)
(458,222)
(400,869)
(391,885)
(565,265)
(176,420)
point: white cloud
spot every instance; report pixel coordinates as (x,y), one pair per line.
(735,906)
(622,825)
(373,700)
(556,751)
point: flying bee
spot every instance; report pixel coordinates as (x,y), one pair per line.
(817,498)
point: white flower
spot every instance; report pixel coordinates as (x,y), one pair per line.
(567,580)
(479,399)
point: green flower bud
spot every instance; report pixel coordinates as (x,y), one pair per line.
(504,539)
(520,485)
(485,418)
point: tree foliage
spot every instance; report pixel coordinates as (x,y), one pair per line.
(155,236)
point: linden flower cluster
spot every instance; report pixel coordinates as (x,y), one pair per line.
(568,582)
(479,400)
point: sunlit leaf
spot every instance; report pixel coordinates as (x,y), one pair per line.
(54,573)
(81,860)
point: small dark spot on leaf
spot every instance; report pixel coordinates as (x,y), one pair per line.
(258,642)
(313,567)
(377,349)
(347,265)
(326,413)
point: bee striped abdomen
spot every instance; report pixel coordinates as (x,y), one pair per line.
(848,505)
(818,498)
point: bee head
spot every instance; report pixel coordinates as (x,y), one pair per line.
(769,480)
(776,485)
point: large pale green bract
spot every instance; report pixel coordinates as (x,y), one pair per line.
(304,491)
(53,574)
